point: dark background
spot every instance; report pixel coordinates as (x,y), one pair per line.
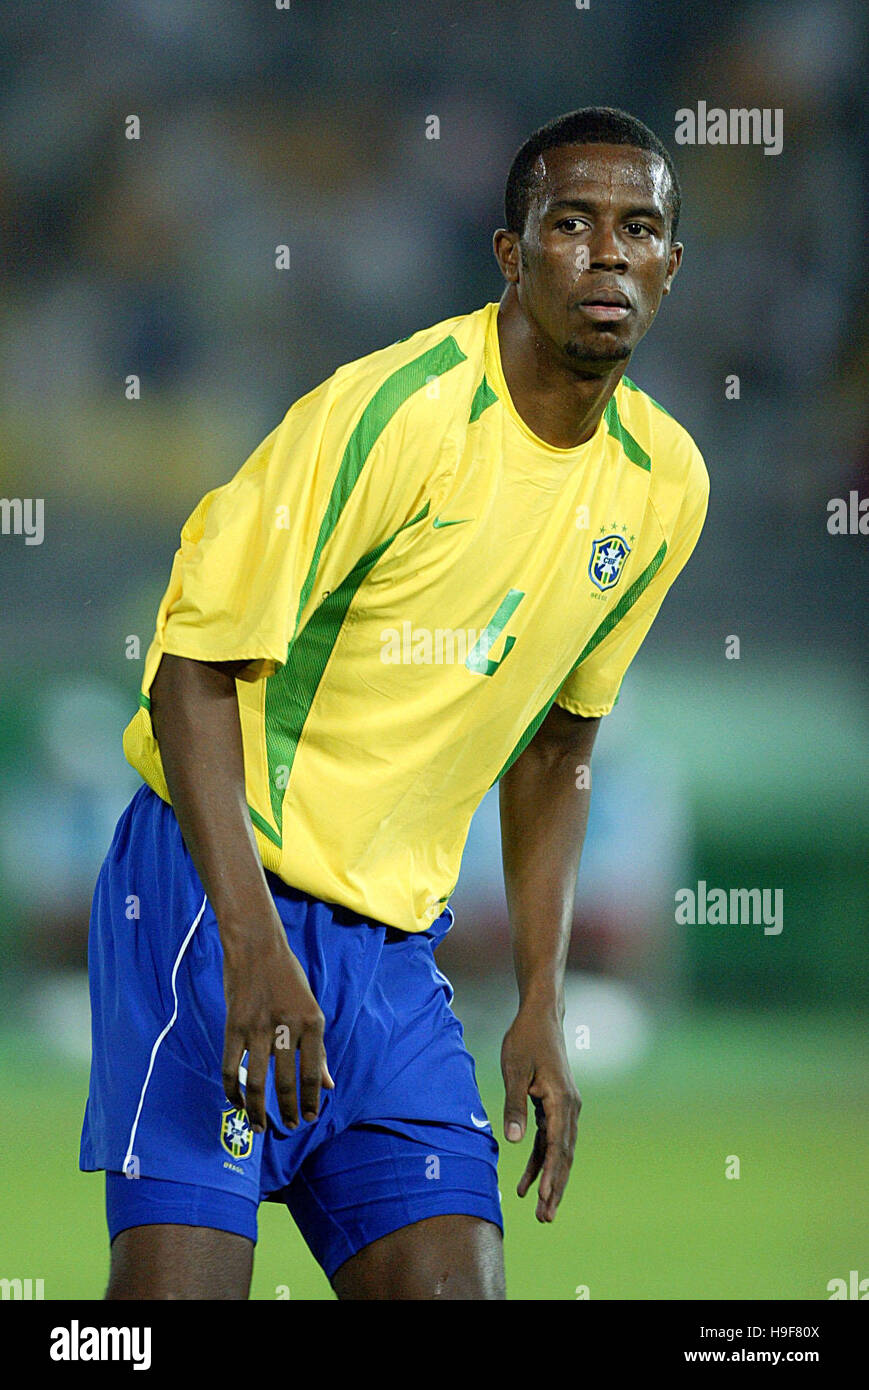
(156,257)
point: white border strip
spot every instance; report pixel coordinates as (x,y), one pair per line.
(129,1154)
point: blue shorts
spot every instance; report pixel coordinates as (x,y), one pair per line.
(403,1136)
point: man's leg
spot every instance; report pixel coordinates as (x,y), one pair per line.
(182,1168)
(403,1202)
(453,1257)
(178,1262)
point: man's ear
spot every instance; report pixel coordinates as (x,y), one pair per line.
(506,248)
(673,265)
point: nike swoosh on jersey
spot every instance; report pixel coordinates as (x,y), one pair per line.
(438,524)
(480,1124)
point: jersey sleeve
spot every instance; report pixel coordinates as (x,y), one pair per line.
(593,685)
(258,553)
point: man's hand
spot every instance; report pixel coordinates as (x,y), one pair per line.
(534,1062)
(270,1009)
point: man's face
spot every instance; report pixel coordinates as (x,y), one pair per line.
(595,257)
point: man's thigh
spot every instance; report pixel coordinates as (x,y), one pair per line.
(452,1257)
(180,1262)
(175,1240)
(400,1210)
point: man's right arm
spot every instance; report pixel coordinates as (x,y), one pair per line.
(195,717)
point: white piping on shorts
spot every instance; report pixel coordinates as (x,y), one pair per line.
(195,923)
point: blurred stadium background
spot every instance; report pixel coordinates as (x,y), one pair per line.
(156,257)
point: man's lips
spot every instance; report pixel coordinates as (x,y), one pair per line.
(604,312)
(605,305)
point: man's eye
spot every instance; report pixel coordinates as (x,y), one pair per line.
(570,224)
(638,229)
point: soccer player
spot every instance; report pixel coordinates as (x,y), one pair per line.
(431,577)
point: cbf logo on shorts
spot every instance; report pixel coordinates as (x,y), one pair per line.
(236,1135)
(608,555)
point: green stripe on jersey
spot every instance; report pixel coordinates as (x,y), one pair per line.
(291,690)
(387,399)
(484,396)
(629,445)
(263,825)
(626,602)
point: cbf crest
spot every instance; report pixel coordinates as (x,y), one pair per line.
(608,555)
(236,1135)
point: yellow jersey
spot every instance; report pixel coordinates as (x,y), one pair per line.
(413,578)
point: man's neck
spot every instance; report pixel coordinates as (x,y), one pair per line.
(560,406)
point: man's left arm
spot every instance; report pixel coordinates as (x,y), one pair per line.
(543,820)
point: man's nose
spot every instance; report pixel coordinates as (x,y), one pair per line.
(606,250)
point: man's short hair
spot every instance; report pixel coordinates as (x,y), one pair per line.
(590,125)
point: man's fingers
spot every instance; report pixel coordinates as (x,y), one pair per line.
(285,1079)
(554,1121)
(560,1118)
(515,1103)
(311,1060)
(232,1055)
(534,1164)
(255,1085)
